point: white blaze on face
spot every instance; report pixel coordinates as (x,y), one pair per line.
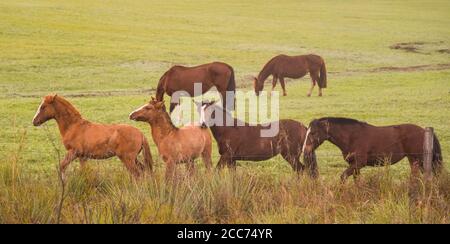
(202,115)
(136,110)
(306,139)
(38,110)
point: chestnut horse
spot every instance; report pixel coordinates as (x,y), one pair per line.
(363,144)
(85,140)
(294,67)
(181,78)
(175,145)
(242,141)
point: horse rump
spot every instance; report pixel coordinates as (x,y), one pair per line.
(229,100)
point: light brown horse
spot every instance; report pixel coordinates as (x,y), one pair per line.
(181,78)
(85,140)
(175,145)
(294,67)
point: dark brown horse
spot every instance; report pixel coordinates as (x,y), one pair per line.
(238,140)
(181,78)
(294,67)
(86,140)
(363,144)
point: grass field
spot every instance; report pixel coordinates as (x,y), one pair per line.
(388,63)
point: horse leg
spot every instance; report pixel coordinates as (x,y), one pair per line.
(190,167)
(170,169)
(314,79)
(206,158)
(139,165)
(232,164)
(313,83)
(82,163)
(274,83)
(172,105)
(294,161)
(415,166)
(283,86)
(355,167)
(223,161)
(70,156)
(130,164)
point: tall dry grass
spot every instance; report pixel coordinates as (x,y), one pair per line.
(103,195)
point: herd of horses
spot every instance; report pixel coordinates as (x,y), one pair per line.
(361,144)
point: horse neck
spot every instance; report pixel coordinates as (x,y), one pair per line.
(265,72)
(161,127)
(66,116)
(160,88)
(338,135)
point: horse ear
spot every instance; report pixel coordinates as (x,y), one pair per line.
(159,105)
(52,98)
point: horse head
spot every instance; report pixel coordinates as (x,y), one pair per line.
(316,134)
(149,111)
(257,85)
(46,110)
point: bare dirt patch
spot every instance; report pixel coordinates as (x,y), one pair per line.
(414,68)
(446,50)
(413,47)
(113,93)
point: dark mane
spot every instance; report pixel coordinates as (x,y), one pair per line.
(340,120)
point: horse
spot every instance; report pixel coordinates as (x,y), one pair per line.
(85,140)
(294,67)
(239,140)
(182,79)
(175,145)
(363,144)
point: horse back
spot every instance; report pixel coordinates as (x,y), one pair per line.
(393,142)
(183,78)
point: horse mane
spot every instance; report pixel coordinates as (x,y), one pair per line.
(266,70)
(341,120)
(164,114)
(70,109)
(160,88)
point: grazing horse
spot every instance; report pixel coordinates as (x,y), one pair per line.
(363,144)
(241,141)
(294,67)
(175,145)
(181,78)
(85,140)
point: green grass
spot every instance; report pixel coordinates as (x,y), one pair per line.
(122,48)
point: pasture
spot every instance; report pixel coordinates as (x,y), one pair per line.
(388,62)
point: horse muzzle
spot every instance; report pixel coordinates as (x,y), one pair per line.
(37,122)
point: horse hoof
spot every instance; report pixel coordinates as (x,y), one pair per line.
(308,95)
(320,95)
(284,94)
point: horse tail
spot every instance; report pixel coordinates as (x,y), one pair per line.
(323,76)
(160,88)
(148,161)
(437,156)
(230,104)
